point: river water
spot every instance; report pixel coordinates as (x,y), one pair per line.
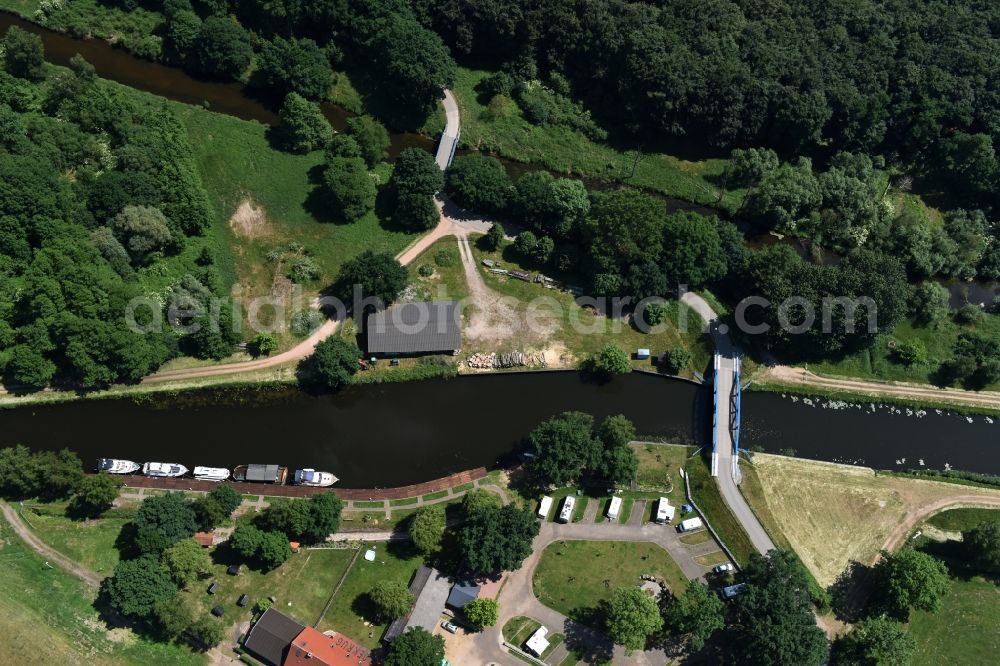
(871,434)
(370,436)
(405,433)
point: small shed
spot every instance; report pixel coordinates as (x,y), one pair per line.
(204,539)
(213,588)
(461,594)
(218,611)
(243,600)
(233,570)
(642,354)
(538,643)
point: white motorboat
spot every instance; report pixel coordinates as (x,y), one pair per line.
(310,477)
(116,466)
(211,473)
(164,469)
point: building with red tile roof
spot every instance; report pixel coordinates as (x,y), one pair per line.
(311,648)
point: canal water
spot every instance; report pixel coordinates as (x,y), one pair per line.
(371,436)
(869,433)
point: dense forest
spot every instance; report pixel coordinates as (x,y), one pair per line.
(829,115)
(99,203)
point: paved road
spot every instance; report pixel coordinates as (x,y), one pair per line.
(728,472)
(452,130)
(518,598)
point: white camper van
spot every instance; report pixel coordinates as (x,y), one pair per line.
(690,524)
(664,511)
(614,508)
(544,507)
(566,513)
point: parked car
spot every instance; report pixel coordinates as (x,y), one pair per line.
(723,568)
(449,627)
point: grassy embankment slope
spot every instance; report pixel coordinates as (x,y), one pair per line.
(835,514)
(47,617)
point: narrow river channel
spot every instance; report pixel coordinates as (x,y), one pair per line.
(370,436)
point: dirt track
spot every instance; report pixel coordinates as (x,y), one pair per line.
(803,377)
(50,554)
(922,513)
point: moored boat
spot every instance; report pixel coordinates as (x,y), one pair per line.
(310,477)
(211,473)
(117,466)
(261,473)
(164,469)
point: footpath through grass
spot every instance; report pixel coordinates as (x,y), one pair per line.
(574,577)
(47,617)
(90,542)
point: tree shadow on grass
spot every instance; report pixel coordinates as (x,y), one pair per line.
(593,646)
(850,592)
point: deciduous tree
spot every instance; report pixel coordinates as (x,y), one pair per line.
(496,540)
(631,617)
(333,362)
(391,598)
(304,127)
(185,561)
(482,612)
(137,586)
(415,647)
(427,529)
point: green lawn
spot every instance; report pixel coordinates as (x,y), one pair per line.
(90,542)
(659,467)
(447,282)
(351,607)
(706,496)
(47,617)
(518,629)
(566,151)
(301,585)
(573,577)
(963,519)
(238,164)
(964,631)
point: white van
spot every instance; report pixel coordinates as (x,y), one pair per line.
(544,507)
(614,508)
(566,513)
(690,524)
(664,511)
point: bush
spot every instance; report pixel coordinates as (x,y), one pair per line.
(263,344)
(348,189)
(911,352)
(425,270)
(304,127)
(305,322)
(610,361)
(676,359)
(656,314)
(24,55)
(391,598)
(303,270)
(371,137)
(333,363)
(445,258)
(969,314)
(482,613)
(494,238)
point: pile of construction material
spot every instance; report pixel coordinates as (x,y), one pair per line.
(504,360)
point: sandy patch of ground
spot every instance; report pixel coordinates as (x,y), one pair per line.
(495,317)
(249,221)
(835,514)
